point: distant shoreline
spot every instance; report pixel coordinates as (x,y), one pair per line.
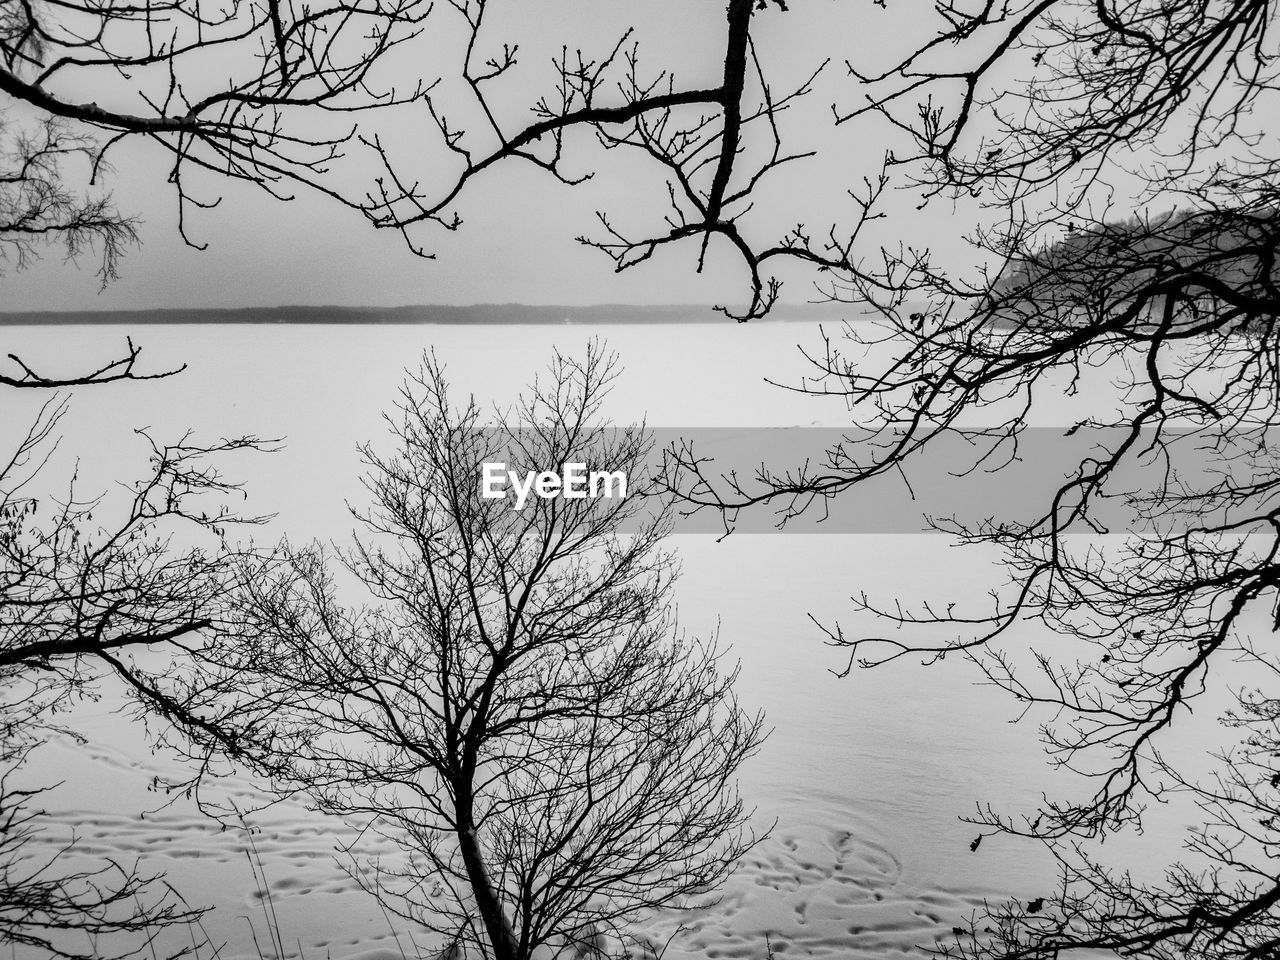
(486,313)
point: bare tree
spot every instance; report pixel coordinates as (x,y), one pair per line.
(1116,110)
(516,709)
(140,72)
(84,585)
(408,157)
(478,99)
(78,593)
(714,152)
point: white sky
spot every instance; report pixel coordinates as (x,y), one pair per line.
(517,244)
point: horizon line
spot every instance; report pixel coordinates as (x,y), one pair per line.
(440,313)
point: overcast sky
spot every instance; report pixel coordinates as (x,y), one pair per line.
(518,241)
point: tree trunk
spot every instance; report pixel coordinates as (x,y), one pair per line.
(496,925)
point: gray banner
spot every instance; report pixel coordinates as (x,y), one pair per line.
(956,480)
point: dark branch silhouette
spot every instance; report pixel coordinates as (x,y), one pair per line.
(264,117)
(1080,292)
(121,368)
(85,584)
(515,708)
(37,209)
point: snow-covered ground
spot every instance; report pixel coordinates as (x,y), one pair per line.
(865,776)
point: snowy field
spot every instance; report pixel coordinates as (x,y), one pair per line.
(863,779)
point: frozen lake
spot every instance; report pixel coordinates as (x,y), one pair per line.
(865,776)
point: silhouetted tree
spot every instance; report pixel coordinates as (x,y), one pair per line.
(516,708)
(722,157)
(1069,121)
(79,594)
(79,597)
(1114,109)
(408,158)
(701,141)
